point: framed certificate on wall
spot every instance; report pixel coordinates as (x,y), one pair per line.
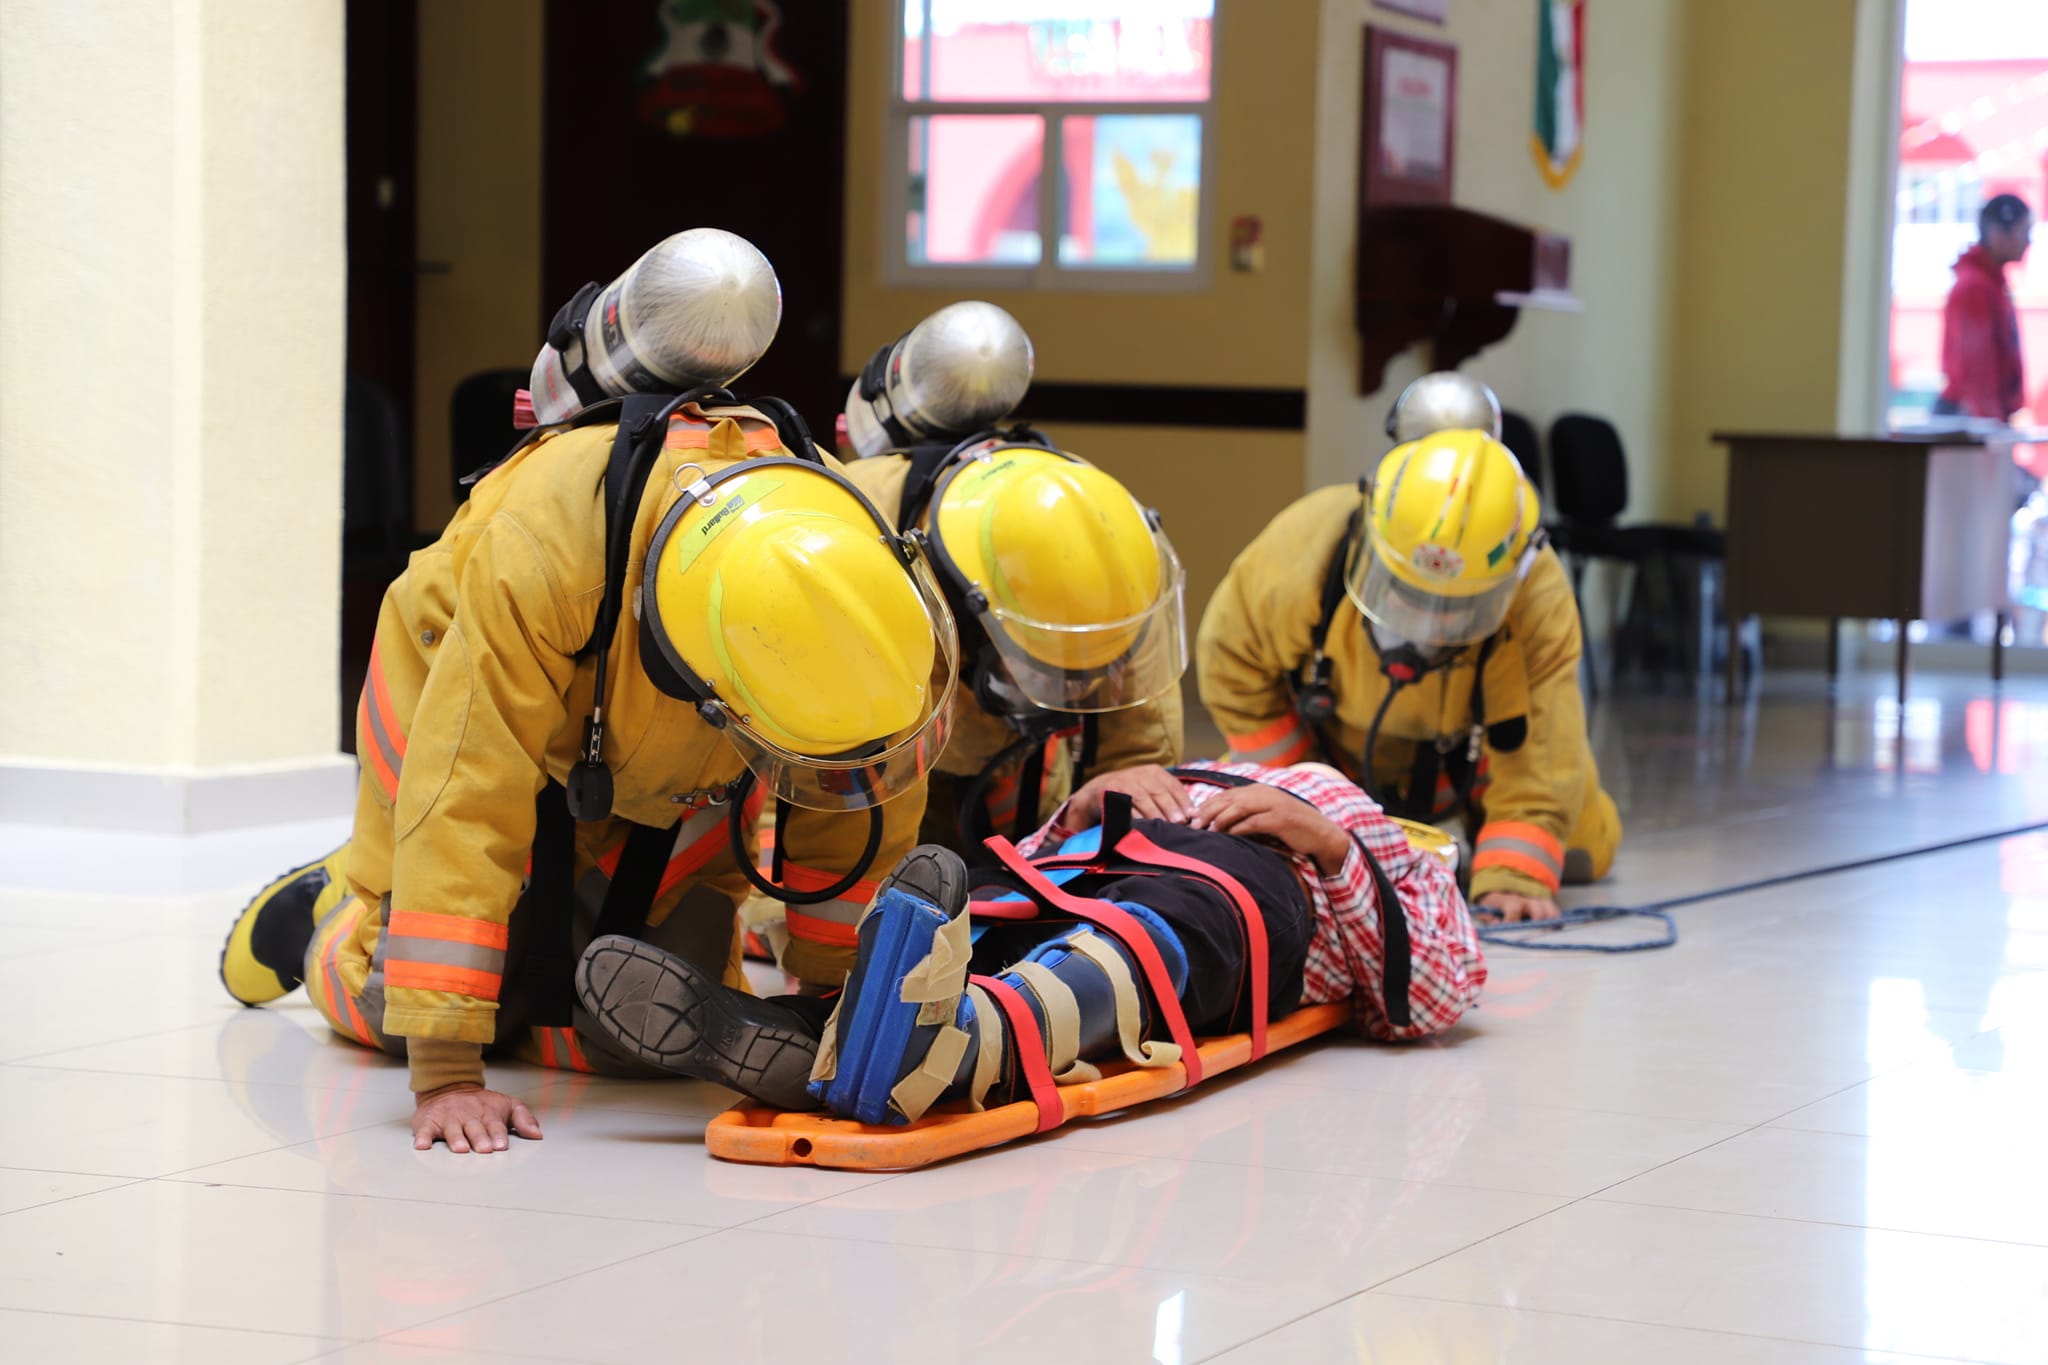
(1436,11)
(1408,142)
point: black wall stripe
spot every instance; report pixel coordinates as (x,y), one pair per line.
(1163,405)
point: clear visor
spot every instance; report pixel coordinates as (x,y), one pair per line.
(1098,667)
(1419,616)
(881,770)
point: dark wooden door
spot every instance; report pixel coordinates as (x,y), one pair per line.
(663,115)
(382,134)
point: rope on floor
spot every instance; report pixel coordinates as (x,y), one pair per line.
(1529,934)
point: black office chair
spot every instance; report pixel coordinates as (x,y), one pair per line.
(480,423)
(1518,434)
(1676,569)
(376,484)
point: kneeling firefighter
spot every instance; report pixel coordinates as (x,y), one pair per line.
(1068,594)
(1448,686)
(659,612)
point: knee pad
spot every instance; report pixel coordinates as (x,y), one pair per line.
(1087,992)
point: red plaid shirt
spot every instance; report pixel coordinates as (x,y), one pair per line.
(1347,953)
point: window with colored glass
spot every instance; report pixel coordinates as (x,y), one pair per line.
(1052,141)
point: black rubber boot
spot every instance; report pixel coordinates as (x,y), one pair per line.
(669,1014)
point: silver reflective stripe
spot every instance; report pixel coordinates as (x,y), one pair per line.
(377,733)
(1268,753)
(1508,843)
(443,953)
(371,1001)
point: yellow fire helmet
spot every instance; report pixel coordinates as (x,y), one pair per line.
(779,602)
(1451,528)
(1070,579)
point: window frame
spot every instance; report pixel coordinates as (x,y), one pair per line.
(1048,273)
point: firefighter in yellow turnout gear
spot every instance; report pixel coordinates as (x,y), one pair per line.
(1420,635)
(525,787)
(1072,643)
(1043,538)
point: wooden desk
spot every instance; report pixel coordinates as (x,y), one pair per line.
(1900,528)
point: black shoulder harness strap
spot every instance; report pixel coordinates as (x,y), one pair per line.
(642,419)
(545,920)
(1333,585)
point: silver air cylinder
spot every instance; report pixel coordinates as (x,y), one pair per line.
(1443,401)
(963,368)
(699,308)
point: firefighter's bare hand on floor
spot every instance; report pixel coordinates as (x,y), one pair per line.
(1155,793)
(470,1119)
(1268,811)
(1510,907)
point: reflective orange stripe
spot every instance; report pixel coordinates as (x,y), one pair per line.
(692,859)
(436,976)
(369,753)
(449,928)
(385,713)
(685,434)
(1260,738)
(1518,862)
(338,928)
(547,1048)
(577,1061)
(831,932)
(799,878)
(1001,801)
(1283,742)
(1291,755)
(1542,838)
(1522,847)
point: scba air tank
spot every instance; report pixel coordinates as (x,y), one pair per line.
(698,308)
(961,369)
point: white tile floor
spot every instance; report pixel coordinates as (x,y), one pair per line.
(1810,1133)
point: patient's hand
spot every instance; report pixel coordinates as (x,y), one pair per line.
(1155,793)
(1268,811)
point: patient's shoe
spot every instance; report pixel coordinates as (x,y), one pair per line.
(903,1036)
(264,958)
(669,1014)
(911,1030)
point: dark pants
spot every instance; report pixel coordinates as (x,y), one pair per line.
(1215,998)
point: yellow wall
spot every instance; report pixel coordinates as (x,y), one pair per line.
(479,214)
(1619,213)
(1766,158)
(170,436)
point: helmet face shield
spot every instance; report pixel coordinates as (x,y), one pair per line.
(1419,616)
(1106,666)
(879,771)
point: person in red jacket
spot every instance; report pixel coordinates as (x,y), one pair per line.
(1980,331)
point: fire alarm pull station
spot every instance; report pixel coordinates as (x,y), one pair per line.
(1247,252)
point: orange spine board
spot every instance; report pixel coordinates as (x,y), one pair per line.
(771,1137)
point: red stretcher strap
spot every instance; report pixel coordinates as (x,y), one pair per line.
(1126,930)
(1139,849)
(1013,909)
(1030,1050)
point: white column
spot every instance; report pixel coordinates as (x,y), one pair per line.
(171,351)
